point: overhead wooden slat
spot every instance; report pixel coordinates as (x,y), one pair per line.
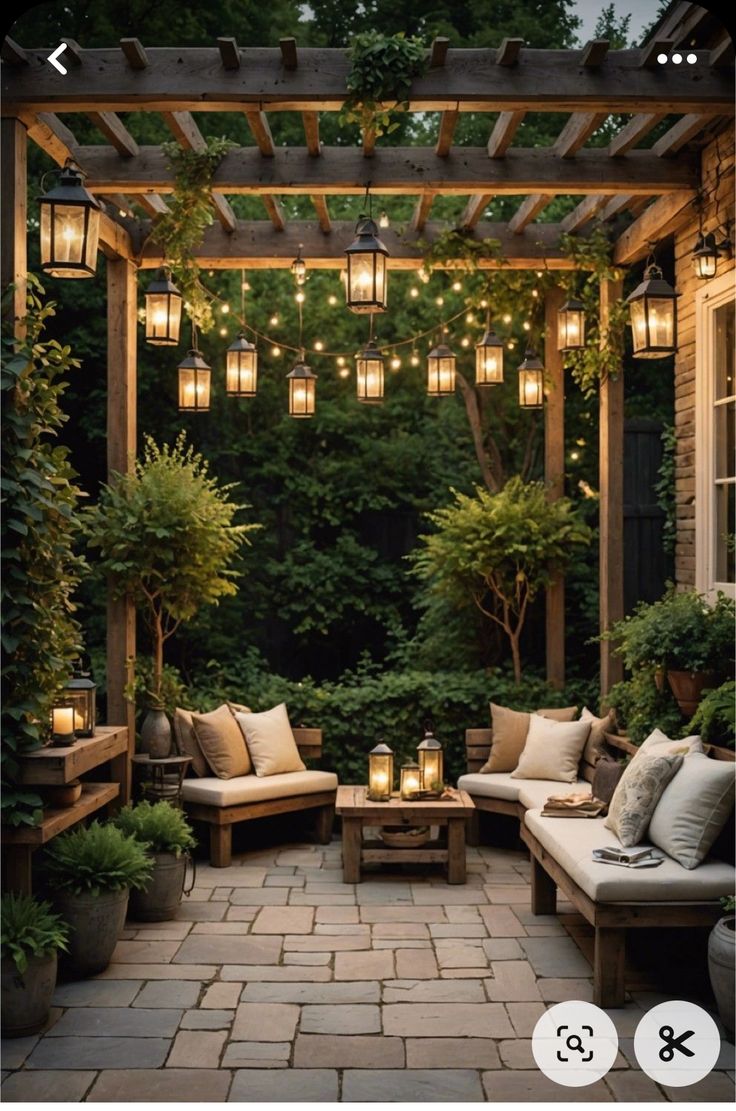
(73,53)
(508,52)
(369,141)
(12,54)
(187,133)
(289,58)
(438,53)
(120,204)
(680,133)
(576,132)
(503,133)
(224,211)
(663,217)
(723,54)
(649,54)
(636,205)
(275,211)
(634,131)
(152,203)
(448,122)
(594,53)
(474,209)
(399,170)
(135,55)
(583,212)
(115,131)
(310,120)
(114,239)
(258,124)
(527,210)
(229,53)
(614,205)
(421,211)
(54,137)
(323,213)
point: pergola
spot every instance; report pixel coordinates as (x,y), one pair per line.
(652,189)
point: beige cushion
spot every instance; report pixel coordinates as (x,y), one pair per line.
(270,741)
(661,743)
(254,788)
(510,728)
(236,708)
(639,790)
(552,750)
(596,738)
(693,809)
(531,793)
(570,841)
(222,743)
(187,741)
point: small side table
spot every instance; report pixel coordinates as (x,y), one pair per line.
(162,779)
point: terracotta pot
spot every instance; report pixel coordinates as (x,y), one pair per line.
(156,734)
(688,687)
(721,965)
(161,898)
(96,922)
(63,795)
(26,996)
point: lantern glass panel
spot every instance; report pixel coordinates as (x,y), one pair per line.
(705,265)
(194,389)
(302,392)
(369,377)
(380,774)
(367,281)
(488,363)
(441,372)
(571,327)
(531,389)
(163,318)
(410,781)
(241,373)
(69,236)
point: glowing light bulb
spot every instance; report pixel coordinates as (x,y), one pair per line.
(457,286)
(275,351)
(535,293)
(469,317)
(511,345)
(526,326)
(413,292)
(575,455)
(383,220)
(538,273)
(344,372)
(332,300)
(299,298)
(225,309)
(211,273)
(395,363)
(340,360)
(319,346)
(414,358)
(246,286)
(439,300)
(223,331)
(274,319)
(159,318)
(465,342)
(484,304)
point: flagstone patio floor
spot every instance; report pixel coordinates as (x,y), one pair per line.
(279,982)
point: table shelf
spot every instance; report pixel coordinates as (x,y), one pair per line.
(52,767)
(56,820)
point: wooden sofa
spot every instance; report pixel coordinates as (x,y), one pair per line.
(612,900)
(221,803)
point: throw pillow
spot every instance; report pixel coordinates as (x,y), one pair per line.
(552,750)
(694,809)
(596,739)
(187,741)
(606,779)
(270,741)
(510,728)
(659,742)
(236,708)
(639,790)
(222,743)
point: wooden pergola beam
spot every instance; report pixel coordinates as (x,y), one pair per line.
(474,209)
(188,135)
(323,214)
(649,54)
(152,204)
(438,52)
(310,121)
(448,123)
(258,124)
(12,54)
(229,53)
(116,133)
(594,53)
(51,135)
(680,133)
(508,52)
(611,504)
(722,55)
(14,221)
(662,217)
(576,133)
(583,212)
(289,57)
(421,211)
(554,476)
(633,132)
(134,54)
(503,133)
(275,211)
(528,210)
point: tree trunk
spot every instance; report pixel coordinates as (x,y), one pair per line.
(471,408)
(514,638)
(158,657)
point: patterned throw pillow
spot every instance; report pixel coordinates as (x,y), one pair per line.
(638,793)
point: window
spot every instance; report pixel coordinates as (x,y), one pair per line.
(715,437)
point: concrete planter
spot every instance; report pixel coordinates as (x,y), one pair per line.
(156,734)
(95,924)
(721,966)
(161,897)
(26,996)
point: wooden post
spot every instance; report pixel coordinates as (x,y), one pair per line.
(14,154)
(121,448)
(554,475)
(611,465)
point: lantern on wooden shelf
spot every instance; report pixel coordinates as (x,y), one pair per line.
(431,771)
(241,368)
(369,375)
(531,381)
(70,226)
(571,325)
(299,268)
(705,256)
(163,310)
(80,692)
(411,783)
(489,358)
(380,773)
(366,285)
(62,722)
(653,307)
(194,384)
(441,371)
(302,390)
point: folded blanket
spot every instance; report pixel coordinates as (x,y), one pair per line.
(580,805)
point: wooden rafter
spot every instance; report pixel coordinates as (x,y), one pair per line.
(310,120)
(448,122)
(680,133)
(594,53)
(258,124)
(275,211)
(474,209)
(576,133)
(633,132)
(508,52)
(116,133)
(12,54)
(649,54)
(583,212)
(152,204)
(662,217)
(229,53)
(186,132)
(134,53)
(323,214)
(438,52)
(53,136)
(503,133)
(421,211)
(289,57)
(528,210)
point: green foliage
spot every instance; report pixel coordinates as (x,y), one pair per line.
(499,550)
(641,706)
(40,637)
(96,858)
(179,231)
(382,68)
(165,536)
(161,827)
(664,488)
(172,692)
(30,929)
(728,902)
(715,718)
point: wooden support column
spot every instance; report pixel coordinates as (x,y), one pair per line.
(611,481)
(14,156)
(554,475)
(121,450)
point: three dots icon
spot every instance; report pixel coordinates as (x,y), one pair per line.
(677,58)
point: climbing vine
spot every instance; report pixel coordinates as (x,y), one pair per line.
(664,488)
(382,68)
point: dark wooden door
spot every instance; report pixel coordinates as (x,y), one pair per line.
(646,564)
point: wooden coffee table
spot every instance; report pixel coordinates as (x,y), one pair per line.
(357,812)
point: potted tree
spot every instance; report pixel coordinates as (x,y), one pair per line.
(32,935)
(165,536)
(92,871)
(166,836)
(722,961)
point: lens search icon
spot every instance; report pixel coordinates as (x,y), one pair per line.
(574,1043)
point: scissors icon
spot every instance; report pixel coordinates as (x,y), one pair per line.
(672,1043)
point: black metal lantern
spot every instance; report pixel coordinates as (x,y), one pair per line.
(705,256)
(431,770)
(299,268)
(80,692)
(571,325)
(441,371)
(194,384)
(653,316)
(70,227)
(163,310)
(366,279)
(531,381)
(369,375)
(489,358)
(302,390)
(380,773)
(241,370)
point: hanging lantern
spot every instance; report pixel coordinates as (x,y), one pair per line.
(366,279)
(62,722)
(380,773)
(431,771)
(299,268)
(531,381)
(571,326)
(80,692)
(489,358)
(440,371)
(70,227)
(705,256)
(163,310)
(369,375)
(194,384)
(302,384)
(410,781)
(653,316)
(241,369)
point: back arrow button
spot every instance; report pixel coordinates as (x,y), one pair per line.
(53,59)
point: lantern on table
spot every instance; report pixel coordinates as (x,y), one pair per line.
(431,771)
(410,781)
(62,722)
(80,692)
(70,226)
(380,773)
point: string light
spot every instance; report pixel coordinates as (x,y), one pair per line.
(319,346)
(223,331)
(344,372)
(246,287)
(469,318)
(413,292)
(484,304)
(275,351)
(526,326)
(439,300)
(225,308)
(332,300)
(457,286)
(299,298)
(535,293)
(383,220)
(396,363)
(575,455)
(414,357)
(507,318)
(274,320)
(341,360)
(465,342)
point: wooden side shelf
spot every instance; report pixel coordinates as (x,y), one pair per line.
(55,766)
(93,797)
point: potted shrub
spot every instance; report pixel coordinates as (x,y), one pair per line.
(32,935)
(715,717)
(721,963)
(166,836)
(92,870)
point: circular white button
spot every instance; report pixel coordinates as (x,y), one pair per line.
(677,1043)
(692,59)
(574,1043)
(677,58)
(662,59)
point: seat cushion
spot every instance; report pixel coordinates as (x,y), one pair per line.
(553,750)
(529,792)
(211,791)
(570,841)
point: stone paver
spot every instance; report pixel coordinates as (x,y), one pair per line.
(286,920)
(117,1022)
(336,914)
(513,981)
(412,1086)
(219,996)
(274,972)
(161,1086)
(50,1086)
(233,950)
(165,993)
(99,1053)
(353,1051)
(197,1049)
(15,1050)
(97,993)
(144,952)
(416,964)
(524,1017)
(355,992)
(160,972)
(343,1018)
(256,1055)
(207,1020)
(555,956)
(293,1086)
(512,1086)
(370,965)
(265,1022)
(426,1020)
(502,922)
(451,1053)
(434,991)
